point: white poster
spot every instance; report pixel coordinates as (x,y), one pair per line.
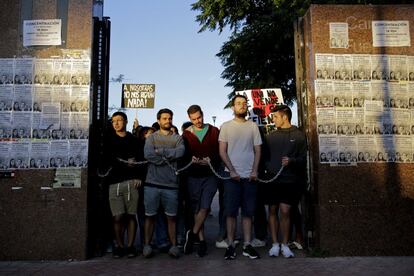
(338,35)
(67,178)
(391,33)
(42,32)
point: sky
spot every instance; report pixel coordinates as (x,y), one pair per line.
(158,42)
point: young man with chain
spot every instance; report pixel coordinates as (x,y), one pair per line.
(201,142)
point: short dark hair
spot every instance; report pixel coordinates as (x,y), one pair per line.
(120,113)
(284,109)
(144,130)
(156,126)
(164,110)
(193,109)
(185,125)
(237,96)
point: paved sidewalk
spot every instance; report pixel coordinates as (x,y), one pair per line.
(211,265)
(214,264)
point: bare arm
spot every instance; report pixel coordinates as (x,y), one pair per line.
(226,159)
(255,168)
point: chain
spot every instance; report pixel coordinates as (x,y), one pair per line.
(105,174)
(273,178)
(132,162)
(214,171)
(258,179)
(178,171)
(102,175)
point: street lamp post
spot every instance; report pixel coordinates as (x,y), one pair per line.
(214,120)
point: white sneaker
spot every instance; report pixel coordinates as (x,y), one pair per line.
(225,244)
(286,252)
(274,251)
(221,244)
(257,243)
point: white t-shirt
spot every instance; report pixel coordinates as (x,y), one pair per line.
(241,137)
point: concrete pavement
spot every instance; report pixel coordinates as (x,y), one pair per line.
(214,263)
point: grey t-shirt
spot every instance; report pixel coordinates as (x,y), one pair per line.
(241,137)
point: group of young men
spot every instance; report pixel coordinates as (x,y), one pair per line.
(238,145)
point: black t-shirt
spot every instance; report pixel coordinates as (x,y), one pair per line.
(123,148)
(290,142)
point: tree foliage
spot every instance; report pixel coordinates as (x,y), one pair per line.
(260,50)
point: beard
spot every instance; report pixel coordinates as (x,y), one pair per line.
(166,126)
(241,114)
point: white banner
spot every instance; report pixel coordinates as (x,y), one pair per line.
(42,32)
(391,33)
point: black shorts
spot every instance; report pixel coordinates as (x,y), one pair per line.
(282,192)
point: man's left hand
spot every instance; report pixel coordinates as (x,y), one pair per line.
(253,176)
(137,183)
(285,161)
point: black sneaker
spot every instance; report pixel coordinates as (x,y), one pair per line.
(230,253)
(131,252)
(202,249)
(117,252)
(250,252)
(189,242)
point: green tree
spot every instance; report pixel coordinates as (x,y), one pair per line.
(260,51)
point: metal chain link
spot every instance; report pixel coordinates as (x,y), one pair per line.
(132,162)
(273,178)
(103,175)
(214,171)
(178,171)
(258,179)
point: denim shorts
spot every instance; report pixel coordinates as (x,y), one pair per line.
(201,191)
(154,197)
(239,194)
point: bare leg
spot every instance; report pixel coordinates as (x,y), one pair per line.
(149,229)
(132,229)
(199,219)
(231,228)
(296,222)
(118,230)
(172,230)
(284,222)
(273,222)
(247,229)
(201,234)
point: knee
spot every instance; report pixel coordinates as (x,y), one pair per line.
(132,217)
(118,218)
(204,211)
(284,213)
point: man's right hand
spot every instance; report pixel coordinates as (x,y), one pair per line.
(234,175)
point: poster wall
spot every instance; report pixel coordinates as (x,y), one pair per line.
(44,112)
(365,108)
